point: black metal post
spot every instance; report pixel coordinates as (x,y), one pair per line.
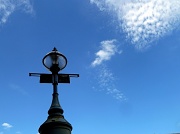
(55,106)
(56,123)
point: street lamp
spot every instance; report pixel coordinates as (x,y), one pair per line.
(55,123)
(54,61)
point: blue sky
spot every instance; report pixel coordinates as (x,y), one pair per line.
(127,53)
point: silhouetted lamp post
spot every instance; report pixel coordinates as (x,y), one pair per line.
(55,123)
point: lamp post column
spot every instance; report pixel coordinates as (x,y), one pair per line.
(55,123)
(55,106)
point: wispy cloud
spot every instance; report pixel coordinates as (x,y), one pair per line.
(18,89)
(7,7)
(7,125)
(107,82)
(104,76)
(143,21)
(108,49)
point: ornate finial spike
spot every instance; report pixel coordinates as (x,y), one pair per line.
(54,49)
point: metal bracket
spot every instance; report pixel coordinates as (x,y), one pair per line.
(47,78)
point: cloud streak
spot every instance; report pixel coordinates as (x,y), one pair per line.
(104,76)
(143,21)
(7,7)
(106,82)
(108,49)
(18,89)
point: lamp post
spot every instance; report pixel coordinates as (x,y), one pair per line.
(55,123)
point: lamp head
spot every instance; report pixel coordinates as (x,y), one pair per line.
(54,61)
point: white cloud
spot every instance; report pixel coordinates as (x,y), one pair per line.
(106,82)
(6,125)
(104,77)
(108,49)
(143,21)
(7,7)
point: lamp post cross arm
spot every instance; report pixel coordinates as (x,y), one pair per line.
(47,78)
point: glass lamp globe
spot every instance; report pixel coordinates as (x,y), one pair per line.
(54,61)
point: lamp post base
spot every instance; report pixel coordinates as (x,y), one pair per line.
(55,125)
